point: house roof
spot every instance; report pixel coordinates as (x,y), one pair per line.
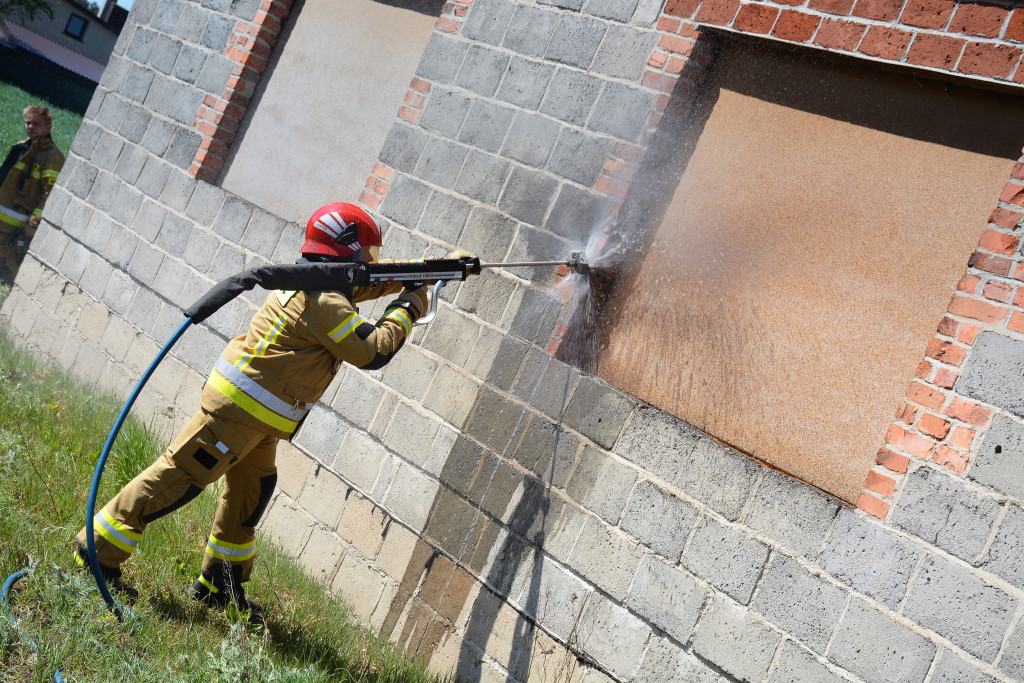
(17,36)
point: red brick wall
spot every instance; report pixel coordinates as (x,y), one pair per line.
(219,118)
(981,40)
(934,423)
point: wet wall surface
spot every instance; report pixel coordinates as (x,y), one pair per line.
(806,256)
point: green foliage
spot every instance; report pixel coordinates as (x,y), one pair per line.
(51,433)
(27,10)
(13,101)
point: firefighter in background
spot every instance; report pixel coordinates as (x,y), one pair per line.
(259,391)
(27,175)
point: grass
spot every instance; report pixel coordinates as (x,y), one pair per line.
(50,437)
(13,101)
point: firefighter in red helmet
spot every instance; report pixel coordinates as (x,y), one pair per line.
(262,386)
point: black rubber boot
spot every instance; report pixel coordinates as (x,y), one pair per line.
(112,576)
(222,586)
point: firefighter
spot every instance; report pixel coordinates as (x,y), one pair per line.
(26,177)
(259,391)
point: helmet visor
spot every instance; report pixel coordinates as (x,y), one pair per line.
(369,254)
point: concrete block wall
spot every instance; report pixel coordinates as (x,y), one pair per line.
(488,507)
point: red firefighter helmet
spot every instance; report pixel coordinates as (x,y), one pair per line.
(340,229)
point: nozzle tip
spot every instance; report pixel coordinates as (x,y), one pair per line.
(577,264)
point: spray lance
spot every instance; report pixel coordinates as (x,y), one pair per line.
(344,277)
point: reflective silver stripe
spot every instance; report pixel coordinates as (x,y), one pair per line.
(13,214)
(258,393)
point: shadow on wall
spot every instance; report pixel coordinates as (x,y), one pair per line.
(429,7)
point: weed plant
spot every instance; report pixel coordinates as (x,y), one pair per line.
(51,432)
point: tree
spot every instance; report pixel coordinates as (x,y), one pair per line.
(26,10)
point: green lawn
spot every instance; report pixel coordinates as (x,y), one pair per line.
(50,436)
(13,101)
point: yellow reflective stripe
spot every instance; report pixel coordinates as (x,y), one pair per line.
(401,316)
(232,552)
(115,532)
(12,217)
(271,336)
(250,405)
(345,328)
(38,212)
(209,584)
(50,173)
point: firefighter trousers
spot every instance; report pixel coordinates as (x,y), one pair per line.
(206,448)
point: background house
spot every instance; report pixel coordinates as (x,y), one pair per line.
(60,59)
(781,443)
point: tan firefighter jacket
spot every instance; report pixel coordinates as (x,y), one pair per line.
(25,189)
(274,374)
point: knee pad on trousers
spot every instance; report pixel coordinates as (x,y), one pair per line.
(187,497)
(267,485)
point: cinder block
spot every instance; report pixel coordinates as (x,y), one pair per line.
(215,73)
(624,51)
(548,450)
(791,513)
(646,13)
(232,218)
(999,462)
(486,126)
(527,195)
(192,22)
(141,45)
(402,148)
(160,98)
(578,156)
(293,467)
(529,31)
(571,95)
(95,277)
(263,232)
(321,434)
(657,442)
(166,16)
(659,519)
(405,201)
(189,64)
(500,490)
(496,420)
(606,557)
(1005,557)
(575,40)
(119,292)
(666,661)
(126,205)
(452,395)
(725,557)
(992,372)
(102,193)
(736,640)
(360,585)
(183,146)
(488,20)
(440,162)
(799,602)
(411,434)
(322,554)
(960,606)
(941,510)
(601,484)
(362,524)
(200,250)
(205,204)
(445,112)
(164,54)
(130,163)
(797,665)
(136,85)
(410,373)
(134,125)
(953,669)
(531,139)
(411,495)
(612,636)
(577,213)
(218,30)
(719,477)
(287,525)
(525,81)
(669,598)
(106,151)
(323,496)
(598,411)
(483,175)
(78,177)
(875,647)
(481,70)
(360,459)
(546,383)
(445,217)
(621,111)
(359,412)
(1012,661)
(442,58)
(554,596)
(534,316)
